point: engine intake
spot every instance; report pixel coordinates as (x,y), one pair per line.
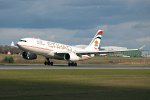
(71,57)
(29,56)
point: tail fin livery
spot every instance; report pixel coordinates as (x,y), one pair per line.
(95,43)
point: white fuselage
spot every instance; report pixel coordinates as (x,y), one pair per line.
(49,49)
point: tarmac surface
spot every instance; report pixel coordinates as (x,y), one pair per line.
(5,67)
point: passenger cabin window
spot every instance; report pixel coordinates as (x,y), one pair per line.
(22,41)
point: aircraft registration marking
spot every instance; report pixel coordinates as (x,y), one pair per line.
(59,46)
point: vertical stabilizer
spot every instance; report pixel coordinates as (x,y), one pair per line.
(95,43)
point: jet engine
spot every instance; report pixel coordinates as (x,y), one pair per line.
(29,56)
(71,57)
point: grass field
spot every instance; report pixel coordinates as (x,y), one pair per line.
(79,84)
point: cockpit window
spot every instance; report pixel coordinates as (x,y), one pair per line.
(22,40)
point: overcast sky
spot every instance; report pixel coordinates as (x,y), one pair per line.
(125,23)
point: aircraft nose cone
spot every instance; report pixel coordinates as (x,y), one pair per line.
(18,44)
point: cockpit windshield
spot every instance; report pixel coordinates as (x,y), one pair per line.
(22,41)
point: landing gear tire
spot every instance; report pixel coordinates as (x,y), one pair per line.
(48,63)
(75,64)
(72,64)
(45,63)
(51,63)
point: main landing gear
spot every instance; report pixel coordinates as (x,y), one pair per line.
(72,64)
(48,62)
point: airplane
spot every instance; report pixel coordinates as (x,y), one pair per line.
(52,50)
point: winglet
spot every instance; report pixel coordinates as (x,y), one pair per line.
(142,47)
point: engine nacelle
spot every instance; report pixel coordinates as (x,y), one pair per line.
(29,56)
(71,57)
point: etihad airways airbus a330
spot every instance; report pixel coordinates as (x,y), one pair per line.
(51,50)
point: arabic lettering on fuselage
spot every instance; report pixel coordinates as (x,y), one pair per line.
(59,46)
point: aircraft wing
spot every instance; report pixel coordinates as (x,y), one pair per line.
(107,52)
(103,52)
(86,52)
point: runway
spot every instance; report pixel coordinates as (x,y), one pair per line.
(7,67)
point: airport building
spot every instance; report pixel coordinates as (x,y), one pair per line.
(145,53)
(132,53)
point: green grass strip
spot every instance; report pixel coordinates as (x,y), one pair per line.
(75,84)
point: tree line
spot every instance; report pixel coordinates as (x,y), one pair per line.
(4,49)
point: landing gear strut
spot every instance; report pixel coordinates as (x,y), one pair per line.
(72,64)
(48,62)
